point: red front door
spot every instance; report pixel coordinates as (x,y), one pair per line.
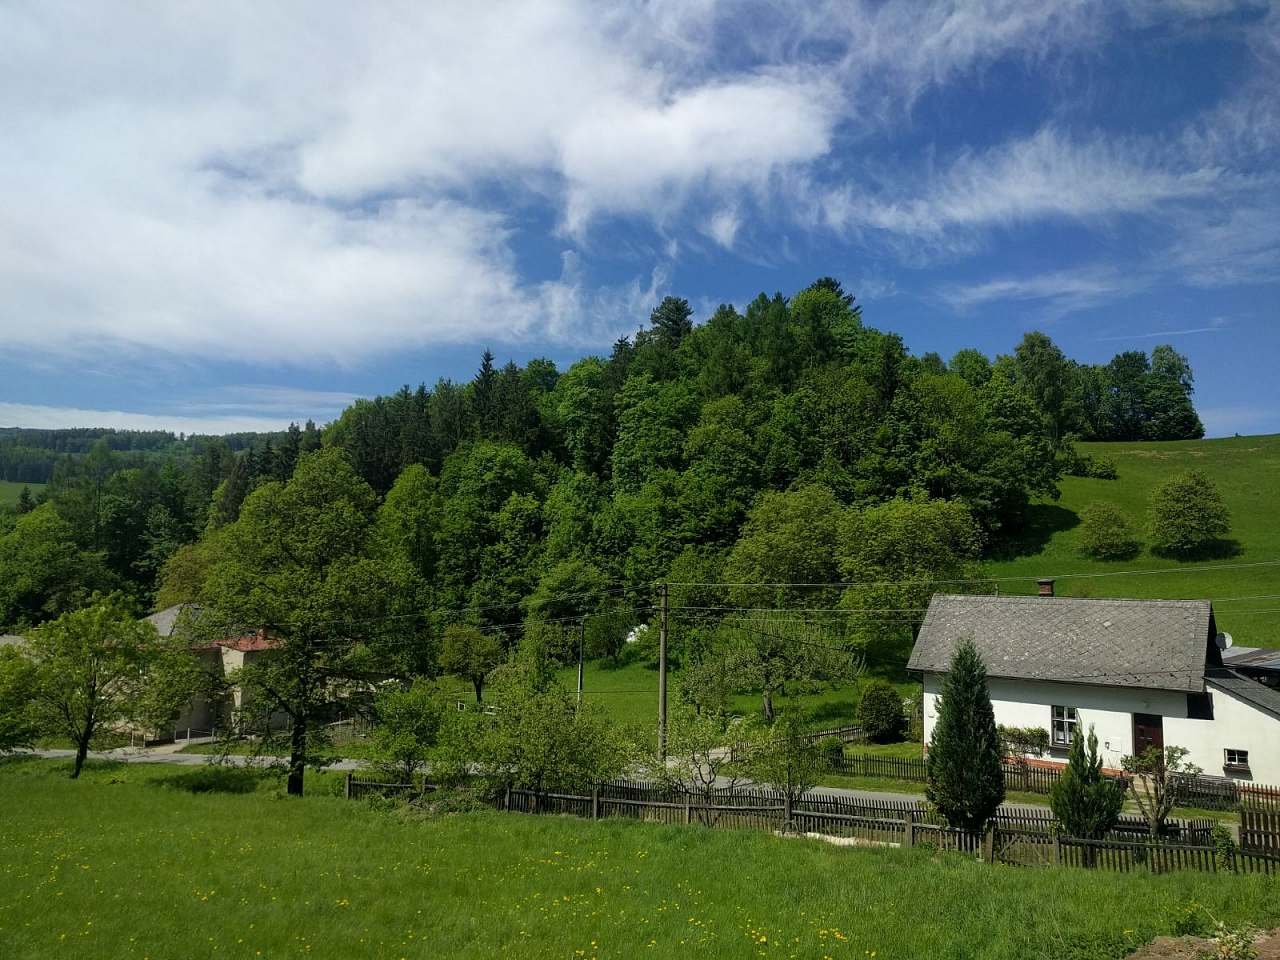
(1148,731)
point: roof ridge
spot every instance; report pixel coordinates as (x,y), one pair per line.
(1038,599)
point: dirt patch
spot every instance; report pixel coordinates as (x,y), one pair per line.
(1189,948)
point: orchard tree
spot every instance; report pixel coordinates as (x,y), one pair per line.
(1188,516)
(1156,773)
(1086,803)
(471,653)
(100,668)
(1106,534)
(788,760)
(880,712)
(965,775)
(299,565)
(700,755)
(407,726)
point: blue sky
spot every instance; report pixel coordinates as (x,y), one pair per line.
(228,216)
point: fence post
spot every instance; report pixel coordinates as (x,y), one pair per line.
(688,811)
(787,808)
(595,802)
(909,837)
(349,776)
(1057,849)
(989,843)
(506,799)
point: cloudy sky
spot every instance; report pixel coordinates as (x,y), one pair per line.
(228,215)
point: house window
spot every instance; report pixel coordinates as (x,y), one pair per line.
(1237,758)
(1064,725)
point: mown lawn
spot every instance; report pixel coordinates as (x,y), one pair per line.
(1246,470)
(132,862)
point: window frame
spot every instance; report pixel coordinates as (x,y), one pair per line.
(1240,763)
(1069,721)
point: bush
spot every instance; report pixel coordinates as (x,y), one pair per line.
(880,712)
(1188,516)
(1077,464)
(1106,534)
(1086,803)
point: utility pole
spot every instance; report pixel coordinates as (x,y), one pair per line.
(662,672)
(582,631)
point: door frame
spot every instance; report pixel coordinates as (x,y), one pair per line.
(1152,722)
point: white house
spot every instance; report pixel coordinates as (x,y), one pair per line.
(1141,672)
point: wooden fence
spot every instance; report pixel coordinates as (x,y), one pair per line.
(1027,778)
(1017,835)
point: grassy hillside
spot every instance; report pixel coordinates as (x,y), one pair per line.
(9,491)
(1246,470)
(210,863)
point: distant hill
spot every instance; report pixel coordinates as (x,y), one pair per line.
(1246,470)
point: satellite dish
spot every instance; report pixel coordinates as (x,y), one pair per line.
(1223,641)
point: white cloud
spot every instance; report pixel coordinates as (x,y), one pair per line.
(1046,175)
(1060,292)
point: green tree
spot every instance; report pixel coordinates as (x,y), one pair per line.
(789,538)
(701,747)
(898,554)
(26,503)
(471,653)
(788,760)
(43,572)
(971,366)
(1086,803)
(1187,515)
(672,320)
(1106,534)
(17,684)
(407,724)
(298,563)
(100,668)
(965,776)
(537,737)
(880,712)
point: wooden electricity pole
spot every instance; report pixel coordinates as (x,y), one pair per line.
(662,672)
(582,630)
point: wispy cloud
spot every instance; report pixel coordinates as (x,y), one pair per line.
(52,418)
(1218,326)
(1059,292)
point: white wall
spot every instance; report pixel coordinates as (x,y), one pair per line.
(1028,703)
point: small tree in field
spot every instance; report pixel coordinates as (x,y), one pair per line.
(880,712)
(787,760)
(408,725)
(1106,534)
(965,778)
(100,668)
(700,751)
(471,653)
(1188,516)
(1085,802)
(1155,775)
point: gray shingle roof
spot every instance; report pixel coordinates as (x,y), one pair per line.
(166,621)
(1246,688)
(1157,644)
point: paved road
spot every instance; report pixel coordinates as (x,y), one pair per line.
(127,755)
(167,755)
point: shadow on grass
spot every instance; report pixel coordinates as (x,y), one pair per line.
(216,779)
(1042,521)
(1222,549)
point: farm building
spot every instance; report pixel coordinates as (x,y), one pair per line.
(1141,672)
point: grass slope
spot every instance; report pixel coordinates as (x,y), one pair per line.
(1246,470)
(10,491)
(131,862)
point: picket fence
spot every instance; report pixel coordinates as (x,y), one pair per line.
(1017,835)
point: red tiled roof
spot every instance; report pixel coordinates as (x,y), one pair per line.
(248,643)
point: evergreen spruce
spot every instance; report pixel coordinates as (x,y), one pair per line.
(26,502)
(966,781)
(1086,803)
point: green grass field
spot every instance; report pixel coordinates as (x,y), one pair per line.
(1246,470)
(148,862)
(10,491)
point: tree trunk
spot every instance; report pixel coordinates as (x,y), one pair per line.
(297,756)
(479,685)
(82,751)
(766,697)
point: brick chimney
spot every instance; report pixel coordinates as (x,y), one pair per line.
(1046,586)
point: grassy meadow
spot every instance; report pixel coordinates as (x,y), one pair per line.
(1246,471)
(10,491)
(153,862)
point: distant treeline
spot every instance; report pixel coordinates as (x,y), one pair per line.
(30,455)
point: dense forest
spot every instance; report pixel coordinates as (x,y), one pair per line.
(775,445)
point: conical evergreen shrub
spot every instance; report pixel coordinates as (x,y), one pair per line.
(1086,803)
(966,782)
